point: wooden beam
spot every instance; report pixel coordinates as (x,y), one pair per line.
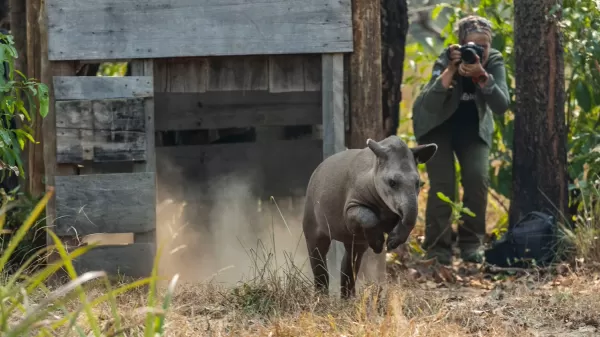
(108,29)
(333,104)
(92,87)
(333,140)
(105,203)
(133,260)
(146,68)
(35,152)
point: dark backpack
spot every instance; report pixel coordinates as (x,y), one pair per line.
(530,241)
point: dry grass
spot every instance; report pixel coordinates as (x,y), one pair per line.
(529,306)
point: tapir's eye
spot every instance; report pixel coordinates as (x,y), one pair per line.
(392,183)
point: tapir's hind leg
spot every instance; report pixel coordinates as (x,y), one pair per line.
(318,246)
(350,266)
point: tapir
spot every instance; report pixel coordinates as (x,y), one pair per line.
(357,195)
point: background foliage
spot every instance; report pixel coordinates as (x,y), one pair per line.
(582,50)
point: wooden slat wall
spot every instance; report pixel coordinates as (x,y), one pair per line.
(266,93)
(108,29)
(101,118)
(104,126)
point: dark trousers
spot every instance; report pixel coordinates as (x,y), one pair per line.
(460,139)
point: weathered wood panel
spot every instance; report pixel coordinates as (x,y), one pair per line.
(286,73)
(203,111)
(133,260)
(108,29)
(178,111)
(333,104)
(280,168)
(100,87)
(106,130)
(238,73)
(146,68)
(333,138)
(312,73)
(180,74)
(105,203)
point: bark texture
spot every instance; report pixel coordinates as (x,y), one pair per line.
(539,157)
(394,28)
(365,75)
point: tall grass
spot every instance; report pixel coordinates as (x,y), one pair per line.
(29,308)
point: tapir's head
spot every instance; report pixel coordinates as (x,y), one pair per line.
(395,174)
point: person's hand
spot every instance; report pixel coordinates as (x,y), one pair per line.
(474,70)
(454,58)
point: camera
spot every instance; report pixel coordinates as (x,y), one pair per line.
(468,52)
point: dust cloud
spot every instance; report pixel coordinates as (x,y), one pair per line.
(227,239)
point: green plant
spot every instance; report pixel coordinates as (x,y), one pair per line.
(29,308)
(19,95)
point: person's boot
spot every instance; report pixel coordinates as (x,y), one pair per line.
(444,257)
(473,254)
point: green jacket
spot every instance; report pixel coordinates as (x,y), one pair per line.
(435,104)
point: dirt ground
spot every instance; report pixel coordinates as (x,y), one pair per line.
(249,276)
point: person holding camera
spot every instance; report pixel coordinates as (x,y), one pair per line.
(454,110)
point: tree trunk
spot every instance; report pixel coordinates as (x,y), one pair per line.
(394,27)
(540,160)
(365,75)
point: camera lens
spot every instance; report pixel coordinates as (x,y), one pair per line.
(468,56)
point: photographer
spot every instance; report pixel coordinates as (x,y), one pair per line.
(454,110)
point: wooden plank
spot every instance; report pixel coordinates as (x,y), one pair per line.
(35,170)
(312,73)
(280,168)
(105,203)
(180,115)
(180,74)
(74,145)
(107,130)
(119,115)
(333,104)
(108,29)
(235,109)
(74,114)
(133,260)
(101,87)
(238,73)
(333,139)
(146,68)
(286,73)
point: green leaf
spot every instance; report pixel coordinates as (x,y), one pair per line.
(437,10)
(443,197)
(583,96)
(43,99)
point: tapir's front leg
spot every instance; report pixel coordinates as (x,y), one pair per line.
(398,236)
(361,218)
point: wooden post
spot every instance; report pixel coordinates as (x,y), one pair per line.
(333,140)
(146,68)
(35,152)
(47,71)
(366,118)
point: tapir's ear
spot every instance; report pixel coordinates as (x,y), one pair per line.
(376,148)
(423,153)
